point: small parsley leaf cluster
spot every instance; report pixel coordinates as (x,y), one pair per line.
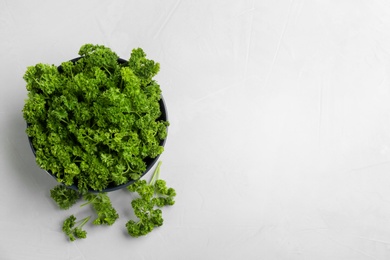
(106,214)
(64,197)
(73,229)
(147,207)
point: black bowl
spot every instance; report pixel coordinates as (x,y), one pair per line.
(148,161)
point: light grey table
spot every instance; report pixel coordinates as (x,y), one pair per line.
(279,144)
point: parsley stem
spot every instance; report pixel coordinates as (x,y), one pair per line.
(107,71)
(36,81)
(134,112)
(88,202)
(128,168)
(156,173)
(83,222)
(90,138)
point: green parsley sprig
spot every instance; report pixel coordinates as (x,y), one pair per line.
(152,196)
(64,197)
(74,230)
(106,214)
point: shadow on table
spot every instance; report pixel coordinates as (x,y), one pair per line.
(16,151)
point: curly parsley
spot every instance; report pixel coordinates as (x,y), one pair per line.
(93,122)
(107,215)
(64,197)
(74,230)
(152,196)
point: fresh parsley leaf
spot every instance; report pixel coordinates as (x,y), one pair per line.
(63,196)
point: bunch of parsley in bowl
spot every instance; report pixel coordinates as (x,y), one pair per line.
(96,123)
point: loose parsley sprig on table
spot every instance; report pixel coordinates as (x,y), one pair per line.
(66,197)
(153,194)
(72,230)
(101,203)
